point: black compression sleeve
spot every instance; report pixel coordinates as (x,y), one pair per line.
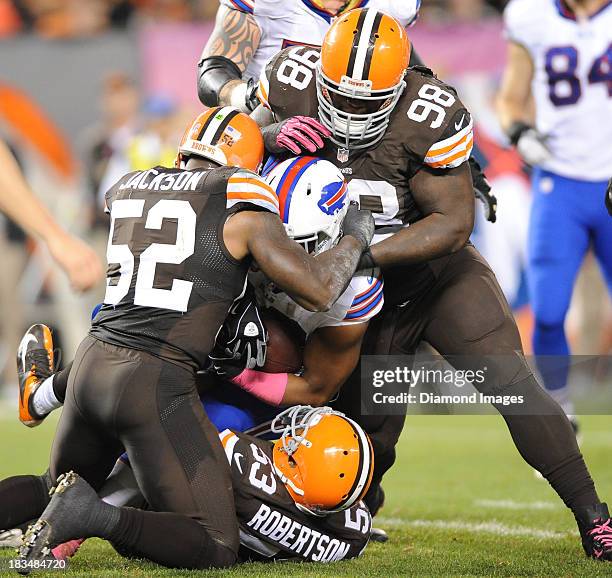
(214,72)
(60,382)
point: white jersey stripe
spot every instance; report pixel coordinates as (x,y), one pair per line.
(259,202)
(452,139)
(251,188)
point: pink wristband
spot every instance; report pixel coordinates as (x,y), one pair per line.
(269,387)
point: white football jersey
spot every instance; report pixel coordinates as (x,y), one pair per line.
(300,22)
(572,86)
(361,301)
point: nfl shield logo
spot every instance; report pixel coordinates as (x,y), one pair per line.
(343,155)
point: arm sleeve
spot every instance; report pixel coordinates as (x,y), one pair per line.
(247,188)
(520,25)
(455,146)
(368,300)
(406,11)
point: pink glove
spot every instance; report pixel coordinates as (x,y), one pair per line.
(297,134)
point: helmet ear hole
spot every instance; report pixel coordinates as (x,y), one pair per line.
(345,452)
(342,475)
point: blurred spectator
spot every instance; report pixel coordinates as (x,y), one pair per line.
(462,11)
(10,21)
(119,107)
(154,144)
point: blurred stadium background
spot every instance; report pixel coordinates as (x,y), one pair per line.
(90,89)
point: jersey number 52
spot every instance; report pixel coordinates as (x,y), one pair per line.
(145,295)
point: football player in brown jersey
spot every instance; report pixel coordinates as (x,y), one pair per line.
(180,244)
(402,138)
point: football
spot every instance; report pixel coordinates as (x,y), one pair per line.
(285,343)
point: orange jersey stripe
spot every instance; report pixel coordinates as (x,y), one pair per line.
(255,182)
(254,196)
(264,94)
(446,149)
(226,436)
(463,153)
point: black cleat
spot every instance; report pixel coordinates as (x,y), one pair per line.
(595,528)
(64,518)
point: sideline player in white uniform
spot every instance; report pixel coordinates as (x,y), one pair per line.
(556,106)
(249,32)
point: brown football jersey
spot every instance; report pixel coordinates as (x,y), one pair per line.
(430,127)
(170,277)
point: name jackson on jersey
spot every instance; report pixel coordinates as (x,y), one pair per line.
(272,527)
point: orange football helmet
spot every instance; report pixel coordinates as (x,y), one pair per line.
(324,458)
(224,135)
(360,76)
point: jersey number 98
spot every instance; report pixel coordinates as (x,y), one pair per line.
(297,70)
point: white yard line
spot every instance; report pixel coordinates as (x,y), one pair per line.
(514,505)
(494,528)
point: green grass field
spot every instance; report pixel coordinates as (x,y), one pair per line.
(460,502)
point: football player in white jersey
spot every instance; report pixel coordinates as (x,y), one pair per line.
(556,106)
(313,200)
(249,32)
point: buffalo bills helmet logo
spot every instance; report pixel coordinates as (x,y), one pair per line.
(332,197)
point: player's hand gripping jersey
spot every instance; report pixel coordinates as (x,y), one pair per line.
(430,129)
(304,22)
(272,527)
(170,278)
(572,83)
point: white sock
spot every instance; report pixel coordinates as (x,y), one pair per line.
(44,400)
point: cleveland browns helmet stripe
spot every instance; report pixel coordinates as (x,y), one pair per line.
(365,467)
(225,136)
(213,128)
(360,59)
(360,76)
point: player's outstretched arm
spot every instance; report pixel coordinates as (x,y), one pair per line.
(515,101)
(225,58)
(516,108)
(446,199)
(315,283)
(18,202)
(330,356)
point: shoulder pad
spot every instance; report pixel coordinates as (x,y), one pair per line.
(520,25)
(287,83)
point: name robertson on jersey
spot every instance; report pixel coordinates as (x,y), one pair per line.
(296,537)
(153,180)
